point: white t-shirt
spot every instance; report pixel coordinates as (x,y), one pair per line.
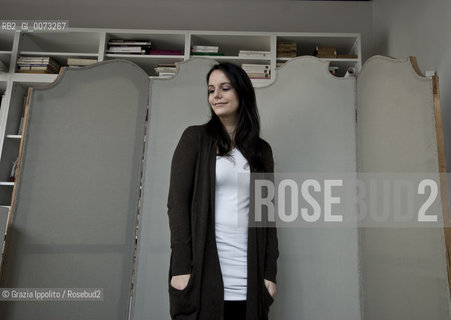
(231,222)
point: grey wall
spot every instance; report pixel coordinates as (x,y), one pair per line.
(419,28)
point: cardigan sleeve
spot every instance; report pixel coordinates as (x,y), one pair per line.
(272,246)
(179,201)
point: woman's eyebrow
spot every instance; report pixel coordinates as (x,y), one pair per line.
(210,85)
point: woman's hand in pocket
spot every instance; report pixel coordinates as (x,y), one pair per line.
(272,287)
(180,282)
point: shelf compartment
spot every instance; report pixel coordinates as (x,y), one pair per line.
(6,41)
(231,45)
(342,64)
(60,57)
(344,43)
(6,192)
(159,41)
(9,156)
(64,42)
(235,59)
(5,58)
(146,62)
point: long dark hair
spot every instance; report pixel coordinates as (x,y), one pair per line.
(247,131)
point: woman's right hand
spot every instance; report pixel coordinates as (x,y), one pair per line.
(180,282)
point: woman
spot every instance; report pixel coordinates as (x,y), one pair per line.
(221,269)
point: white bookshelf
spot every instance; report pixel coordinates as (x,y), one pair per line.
(93,43)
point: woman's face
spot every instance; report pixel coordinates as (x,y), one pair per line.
(222,97)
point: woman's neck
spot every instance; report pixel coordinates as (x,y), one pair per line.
(230,127)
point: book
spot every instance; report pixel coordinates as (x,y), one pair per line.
(325,52)
(80,61)
(126,49)
(255,65)
(197,48)
(165,69)
(347,56)
(12,175)
(326,56)
(34,59)
(254,53)
(37,65)
(255,75)
(286,49)
(256,68)
(166,74)
(166,52)
(207,53)
(123,42)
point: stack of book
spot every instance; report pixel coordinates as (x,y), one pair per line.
(286,49)
(80,62)
(205,51)
(325,52)
(37,65)
(166,70)
(257,71)
(3,67)
(166,52)
(120,46)
(254,54)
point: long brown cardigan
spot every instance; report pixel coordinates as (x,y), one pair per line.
(191,210)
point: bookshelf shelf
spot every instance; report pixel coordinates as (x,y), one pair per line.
(93,43)
(58,54)
(34,79)
(14,136)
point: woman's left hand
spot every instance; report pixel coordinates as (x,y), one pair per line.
(272,287)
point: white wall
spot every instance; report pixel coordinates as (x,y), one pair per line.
(419,28)
(231,15)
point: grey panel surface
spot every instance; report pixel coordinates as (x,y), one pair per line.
(308,117)
(403,270)
(174,105)
(75,209)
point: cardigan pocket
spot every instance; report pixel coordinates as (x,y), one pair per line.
(181,301)
(267,297)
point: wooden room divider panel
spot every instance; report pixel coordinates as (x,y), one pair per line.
(76,198)
(403,269)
